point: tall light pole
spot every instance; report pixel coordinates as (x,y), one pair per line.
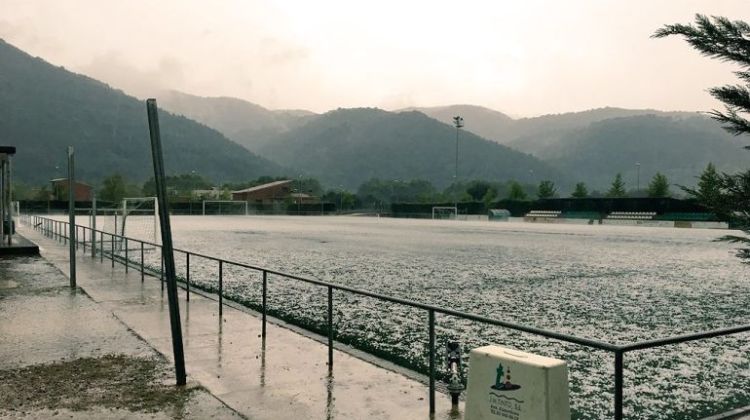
(299,196)
(458,122)
(637,177)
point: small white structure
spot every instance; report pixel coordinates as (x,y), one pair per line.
(506,384)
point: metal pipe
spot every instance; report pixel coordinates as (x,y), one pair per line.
(166,238)
(142,275)
(187,276)
(125,240)
(93,226)
(10,203)
(431,316)
(618,384)
(330,328)
(221,289)
(72,215)
(3,210)
(659,342)
(265,306)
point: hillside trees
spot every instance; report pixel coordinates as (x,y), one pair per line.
(617,189)
(516,192)
(114,188)
(546,189)
(580,191)
(659,186)
(708,190)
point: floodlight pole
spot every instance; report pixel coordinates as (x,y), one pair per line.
(458,121)
(166,240)
(72,216)
(638,177)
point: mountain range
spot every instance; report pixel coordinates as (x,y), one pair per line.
(350,146)
(44,108)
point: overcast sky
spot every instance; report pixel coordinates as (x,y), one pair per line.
(524,58)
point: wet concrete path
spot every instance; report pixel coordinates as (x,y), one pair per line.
(52,334)
(284,378)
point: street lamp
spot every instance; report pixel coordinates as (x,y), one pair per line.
(458,122)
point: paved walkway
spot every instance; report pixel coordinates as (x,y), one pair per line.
(284,378)
(57,360)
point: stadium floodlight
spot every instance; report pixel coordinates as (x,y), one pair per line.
(458,121)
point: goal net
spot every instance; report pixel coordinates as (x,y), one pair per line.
(224,207)
(139,219)
(444,212)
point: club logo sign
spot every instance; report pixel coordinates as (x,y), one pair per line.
(503,402)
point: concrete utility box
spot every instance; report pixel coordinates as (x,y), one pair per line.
(506,384)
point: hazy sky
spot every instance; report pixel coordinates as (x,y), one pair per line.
(521,57)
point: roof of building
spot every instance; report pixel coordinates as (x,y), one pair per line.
(263,186)
(66,180)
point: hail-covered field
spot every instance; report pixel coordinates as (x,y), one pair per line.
(611,283)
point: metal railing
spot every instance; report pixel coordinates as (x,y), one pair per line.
(57,230)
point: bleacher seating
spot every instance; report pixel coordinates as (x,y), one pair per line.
(690,217)
(631,215)
(550,214)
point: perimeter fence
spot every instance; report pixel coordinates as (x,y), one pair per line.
(131,253)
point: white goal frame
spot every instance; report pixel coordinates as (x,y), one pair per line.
(126,212)
(225,202)
(453,208)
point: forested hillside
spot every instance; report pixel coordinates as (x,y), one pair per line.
(243,122)
(350,146)
(44,109)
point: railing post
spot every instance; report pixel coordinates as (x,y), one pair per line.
(187,276)
(161,269)
(265,306)
(101,247)
(112,247)
(618,384)
(83,232)
(93,227)
(432,360)
(126,254)
(330,328)
(221,288)
(141,262)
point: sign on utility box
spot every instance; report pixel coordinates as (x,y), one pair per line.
(506,384)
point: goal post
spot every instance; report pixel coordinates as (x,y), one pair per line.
(225,207)
(445,212)
(139,219)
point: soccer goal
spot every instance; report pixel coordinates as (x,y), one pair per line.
(139,219)
(224,207)
(445,212)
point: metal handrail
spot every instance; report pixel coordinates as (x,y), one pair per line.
(56,229)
